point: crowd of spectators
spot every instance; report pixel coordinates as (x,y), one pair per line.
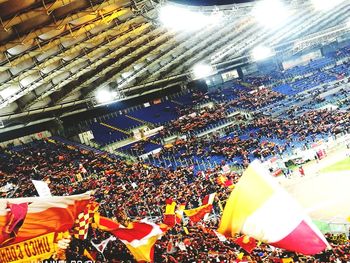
(194,118)
(139,190)
(256,99)
(262,137)
(311,123)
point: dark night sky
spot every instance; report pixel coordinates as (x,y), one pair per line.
(210,2)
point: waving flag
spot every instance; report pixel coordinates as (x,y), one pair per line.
(180,212)
(139,238)
(92,255)
(169,217)
(260,208)
(102,246)
(170,206)
(15,219)
(208,199)
(104,223)
(83,221)
(197,214)
(45,214)
(246,242)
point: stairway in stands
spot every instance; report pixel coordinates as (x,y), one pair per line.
(138,120)
(115,128)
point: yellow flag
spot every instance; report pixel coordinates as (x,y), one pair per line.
(186,230)
(240,256)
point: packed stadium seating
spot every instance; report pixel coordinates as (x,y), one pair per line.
(141,189)
(235,96)
(154,131)
(209,131)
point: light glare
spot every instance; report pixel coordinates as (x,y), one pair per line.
(261,52)
(325,5)
(103,96)
(271,13)
(202,70)
(182,19)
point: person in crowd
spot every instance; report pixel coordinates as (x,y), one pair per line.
(301,171)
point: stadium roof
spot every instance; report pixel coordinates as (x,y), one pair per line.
(54,55)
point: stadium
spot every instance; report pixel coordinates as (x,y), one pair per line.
(174,131)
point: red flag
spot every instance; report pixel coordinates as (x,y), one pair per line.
(228,183)
(247,243)
(208,199)
(105,223)
(169,220)
(198,213)
(14,221)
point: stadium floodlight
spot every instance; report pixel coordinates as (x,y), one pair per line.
(202,70)
(261,53)
(270,13)
(103,96)
(182,19)
(325,5)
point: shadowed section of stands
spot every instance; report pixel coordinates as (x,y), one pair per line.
(140,147)
(138,122)
(143,146)
(158,113)
(303,84)
(123,122)
(105,135)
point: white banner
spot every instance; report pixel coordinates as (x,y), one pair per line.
(42,188)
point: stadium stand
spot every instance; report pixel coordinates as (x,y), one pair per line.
(134,142)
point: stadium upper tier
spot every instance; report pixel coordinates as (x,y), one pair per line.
(230,97)
(314,73)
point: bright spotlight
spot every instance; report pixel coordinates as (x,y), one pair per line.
(270,13)
(103,96)
(181,19)
(261,53)
(202,70)
(325,5)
